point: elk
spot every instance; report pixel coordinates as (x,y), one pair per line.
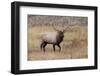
(54,38)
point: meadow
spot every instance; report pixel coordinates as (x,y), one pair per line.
(74,45)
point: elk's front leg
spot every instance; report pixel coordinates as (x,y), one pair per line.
(54,47)
(59,47)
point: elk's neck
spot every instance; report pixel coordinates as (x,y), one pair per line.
(59,38)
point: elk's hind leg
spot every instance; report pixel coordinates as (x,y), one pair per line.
(41,46)
(44,45)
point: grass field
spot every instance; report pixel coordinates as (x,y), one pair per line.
(74,45)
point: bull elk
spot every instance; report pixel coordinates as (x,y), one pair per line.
(54,38)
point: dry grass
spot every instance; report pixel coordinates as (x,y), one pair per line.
(73,46)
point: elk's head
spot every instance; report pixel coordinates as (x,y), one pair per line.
(61,30)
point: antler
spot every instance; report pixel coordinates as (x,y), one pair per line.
(65,28)
(55,28)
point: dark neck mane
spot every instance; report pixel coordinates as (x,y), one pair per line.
(59,38)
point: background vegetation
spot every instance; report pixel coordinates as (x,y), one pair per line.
(74,44)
